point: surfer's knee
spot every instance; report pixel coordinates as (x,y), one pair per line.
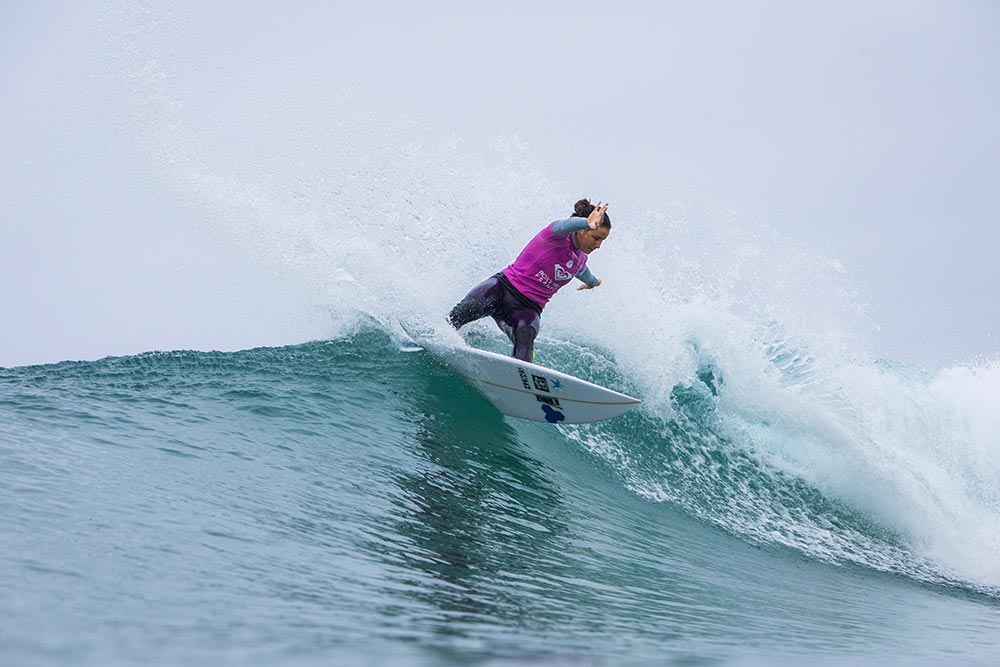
(455,319)
(478,303)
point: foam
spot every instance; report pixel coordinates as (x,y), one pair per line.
(348,211)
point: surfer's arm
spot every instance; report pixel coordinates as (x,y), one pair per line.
(568,226)
(589,279)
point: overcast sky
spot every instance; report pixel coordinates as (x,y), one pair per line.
(867,130)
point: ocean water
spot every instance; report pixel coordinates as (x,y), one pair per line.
(196,177)
(346,502)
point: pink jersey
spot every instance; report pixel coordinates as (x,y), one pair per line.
(547,263)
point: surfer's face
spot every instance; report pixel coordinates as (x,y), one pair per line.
(589,240)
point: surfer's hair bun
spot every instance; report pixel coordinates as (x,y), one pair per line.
(583,208)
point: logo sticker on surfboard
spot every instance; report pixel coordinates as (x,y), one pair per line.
(552,415)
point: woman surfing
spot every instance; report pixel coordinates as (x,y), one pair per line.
(515,296)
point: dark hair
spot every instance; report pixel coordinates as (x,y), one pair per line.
(583,208)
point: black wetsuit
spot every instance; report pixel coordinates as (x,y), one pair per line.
(517,315)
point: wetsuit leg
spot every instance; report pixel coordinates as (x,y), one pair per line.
(482,300)
(491,297)
(525,323)
(520,322)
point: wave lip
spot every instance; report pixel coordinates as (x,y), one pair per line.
(876,464)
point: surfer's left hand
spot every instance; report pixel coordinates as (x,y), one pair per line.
(596,216)
(585,286)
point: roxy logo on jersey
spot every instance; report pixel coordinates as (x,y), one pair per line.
(562,275)
(544,279)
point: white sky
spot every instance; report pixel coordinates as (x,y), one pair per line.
(868,130)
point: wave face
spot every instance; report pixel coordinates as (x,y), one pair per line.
(783,491)
(346,499)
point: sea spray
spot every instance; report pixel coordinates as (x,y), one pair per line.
(351,213)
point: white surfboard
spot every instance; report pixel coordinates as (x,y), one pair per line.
(529,391)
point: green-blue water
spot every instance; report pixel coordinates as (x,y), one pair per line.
(345,502)
(184,174)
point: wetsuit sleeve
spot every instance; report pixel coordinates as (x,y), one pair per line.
(568,226)
(587,276)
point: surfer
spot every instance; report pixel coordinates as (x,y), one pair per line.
(515,297)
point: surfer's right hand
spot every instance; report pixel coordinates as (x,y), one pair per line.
(596,216)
